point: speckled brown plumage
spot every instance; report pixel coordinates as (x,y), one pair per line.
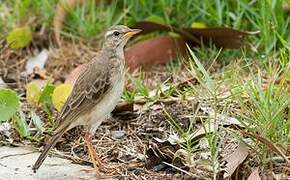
(96,90)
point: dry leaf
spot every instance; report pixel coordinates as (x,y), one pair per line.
(235,159)
(220,36)
(222,118)
(255,175)
(158,152)
(157,50)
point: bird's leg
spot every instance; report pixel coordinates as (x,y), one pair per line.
(92,152)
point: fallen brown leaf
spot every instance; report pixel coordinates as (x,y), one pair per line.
(220,36)
(235,159)
(158,50)
(255,175)
(159,152)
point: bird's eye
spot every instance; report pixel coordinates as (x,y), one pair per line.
(116,33)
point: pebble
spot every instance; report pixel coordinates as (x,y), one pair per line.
(118,134)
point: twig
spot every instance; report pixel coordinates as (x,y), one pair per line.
(175,167)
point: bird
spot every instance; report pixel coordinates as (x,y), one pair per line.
(95,92)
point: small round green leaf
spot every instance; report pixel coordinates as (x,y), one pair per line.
(19,37)
(9,104)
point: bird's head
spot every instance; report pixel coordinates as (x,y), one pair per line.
(117,36)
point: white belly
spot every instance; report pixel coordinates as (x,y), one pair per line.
(104,108)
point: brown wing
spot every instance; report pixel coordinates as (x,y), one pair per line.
(92,83)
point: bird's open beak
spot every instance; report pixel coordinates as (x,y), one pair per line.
(132,32)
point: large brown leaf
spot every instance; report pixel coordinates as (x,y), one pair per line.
(154,51)
(220,36)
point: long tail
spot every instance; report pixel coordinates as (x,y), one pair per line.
(51,143)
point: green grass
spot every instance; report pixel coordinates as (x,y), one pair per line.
(264,110)
(268,100)
(26,12)
(88,20)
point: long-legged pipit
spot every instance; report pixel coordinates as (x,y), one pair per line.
(95,93)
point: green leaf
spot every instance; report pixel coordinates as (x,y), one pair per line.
(9,104)
(33,93)
(19,37)
(21,124)
(37,122)
(46,94)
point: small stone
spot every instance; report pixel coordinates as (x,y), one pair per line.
(118,134)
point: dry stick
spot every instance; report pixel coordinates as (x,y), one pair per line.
(177,168)
(76,159)
(269,144)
